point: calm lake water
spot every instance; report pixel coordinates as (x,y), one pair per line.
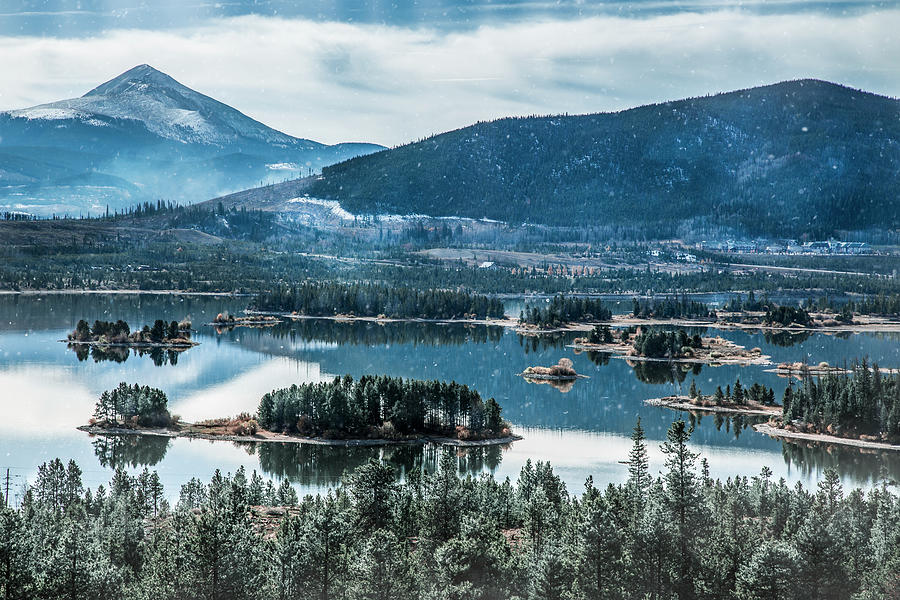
(47,390)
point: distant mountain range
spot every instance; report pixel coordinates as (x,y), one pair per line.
(794,158)
(144,136)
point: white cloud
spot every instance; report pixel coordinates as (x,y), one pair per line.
(344,82)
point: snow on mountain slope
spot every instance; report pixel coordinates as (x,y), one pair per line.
(166,108)
(147,137)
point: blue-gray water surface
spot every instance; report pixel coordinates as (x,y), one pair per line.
(47,390)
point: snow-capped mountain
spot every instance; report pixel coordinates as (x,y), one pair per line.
(143,135)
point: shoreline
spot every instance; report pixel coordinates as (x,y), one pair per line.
(869,324)
(123,292)
(178,346)
(249,323)
(684,403)
(510,323)
(820,371)
(719,345)
(539,377)
(822,438)
(280,438)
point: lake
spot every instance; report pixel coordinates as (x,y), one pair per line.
(47,390)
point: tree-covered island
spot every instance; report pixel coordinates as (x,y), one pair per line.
(372,409)
(133,406)
(861,403)
(226,320)
(381,407)
(639,343)
(754,400)
(173,334)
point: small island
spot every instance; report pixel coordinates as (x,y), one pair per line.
(757,400)
(173,335)
(374,410)
(668,345)
(801,370)
(225,320)
(561,371)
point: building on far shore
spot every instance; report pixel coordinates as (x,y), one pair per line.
(817,247)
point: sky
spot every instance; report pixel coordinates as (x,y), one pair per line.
(393,71)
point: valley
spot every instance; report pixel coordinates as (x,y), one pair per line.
(690,309)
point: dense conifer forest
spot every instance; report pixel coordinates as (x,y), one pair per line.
(89,260)
(132,405)
(865,401)
(380,406)
(666,168)
(670,307)
(656,343)
(776,314)
(679,534)
(562,310)
(737,303)
(786,315)
(887,305)
(371,300)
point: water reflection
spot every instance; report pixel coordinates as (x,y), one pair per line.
(734,424)
(312,464)
(784,338)
(865,466)
(315,465)
(538,343)
(134,451)
(119,354)
(47,392)
(563,386)
(321,465)
(659,372)
(371,333)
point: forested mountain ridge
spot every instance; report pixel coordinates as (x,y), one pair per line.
(793,158)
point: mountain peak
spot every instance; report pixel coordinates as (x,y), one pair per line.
(138,78)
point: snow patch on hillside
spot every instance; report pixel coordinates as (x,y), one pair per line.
(47,113)
(333,209)
(331,206)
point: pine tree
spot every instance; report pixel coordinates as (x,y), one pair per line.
(373,492)
(598,557)
(737,394)
(682,500)
(383,571)
(770,574)
(286,494)
(638,472)
(16,576)
(550,575)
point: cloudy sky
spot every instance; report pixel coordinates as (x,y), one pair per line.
(392,71)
